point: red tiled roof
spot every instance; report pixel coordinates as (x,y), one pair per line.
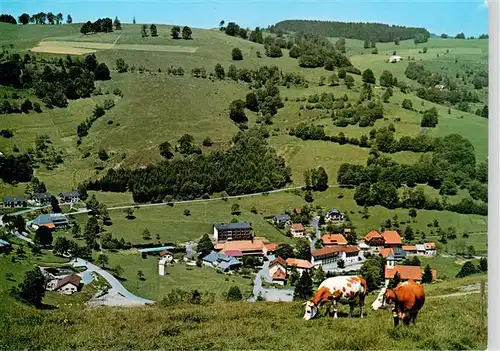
(279,274)
(271,247)
(233,253)
(430,246)
(48,225)
(407,272)
(241,245)
(333,239)
(278,260)
(70,279)
(385,252)
(298,263)
(334,249)
(165,252)
(391,237)
(371,235)
(409,248)
(298,227)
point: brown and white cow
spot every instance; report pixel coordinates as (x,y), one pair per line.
(345,290)
(406,300)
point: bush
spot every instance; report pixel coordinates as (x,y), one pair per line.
(236,54)
(407,104)
(234,294)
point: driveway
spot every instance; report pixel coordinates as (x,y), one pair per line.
(115,283)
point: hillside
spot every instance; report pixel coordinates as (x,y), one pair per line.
(153,103)
(235,325)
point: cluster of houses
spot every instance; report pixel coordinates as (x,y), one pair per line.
(387,244)
(40,199)
(233,242)
(297,230)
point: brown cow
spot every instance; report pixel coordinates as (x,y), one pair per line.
(406,300)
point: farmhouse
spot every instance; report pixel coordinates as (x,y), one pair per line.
(333,240)
(410,250)
(282,219)
(232,231)
(392,239)
(297,230)
(246,247)
(348,254)
(69,197)
(334,215)
(405,272)
(41,199)
(270,248)
(300,265)
(279,276)
(68,285)
(52,221)
(221,261)
(277,263)
(14,201)
(430,249)
(374,238)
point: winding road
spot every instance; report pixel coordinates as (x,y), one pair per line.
(115,283)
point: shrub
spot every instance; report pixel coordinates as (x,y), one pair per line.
(236,54)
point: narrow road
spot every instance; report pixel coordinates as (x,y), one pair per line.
(315,223)
(22,237)
(455,294)
(115,283)
(175,202)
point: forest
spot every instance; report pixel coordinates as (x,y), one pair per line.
(375,32)
(248,166)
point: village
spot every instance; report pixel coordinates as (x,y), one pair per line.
(236,245)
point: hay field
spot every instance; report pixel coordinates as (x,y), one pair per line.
(84,47)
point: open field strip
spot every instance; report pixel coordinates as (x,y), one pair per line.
(75,47)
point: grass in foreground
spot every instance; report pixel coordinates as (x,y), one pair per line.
(450,323)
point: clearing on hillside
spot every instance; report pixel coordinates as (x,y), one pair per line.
(80,48)
(55,49)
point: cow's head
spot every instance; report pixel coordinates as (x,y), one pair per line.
(311,310)
(384,300)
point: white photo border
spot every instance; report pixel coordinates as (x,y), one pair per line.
(493,181)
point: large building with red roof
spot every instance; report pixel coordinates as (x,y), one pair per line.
(326,255)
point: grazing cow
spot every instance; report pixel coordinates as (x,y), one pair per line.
(406,300)
(345,290)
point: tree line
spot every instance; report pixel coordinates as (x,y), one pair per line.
(372,31)
(248,166)
(451,166)
(382,139)
(101,25)
(54,81)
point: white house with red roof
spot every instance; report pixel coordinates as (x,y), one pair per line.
(297,230)
(68,285)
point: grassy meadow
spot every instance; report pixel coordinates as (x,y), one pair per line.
(443,323)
